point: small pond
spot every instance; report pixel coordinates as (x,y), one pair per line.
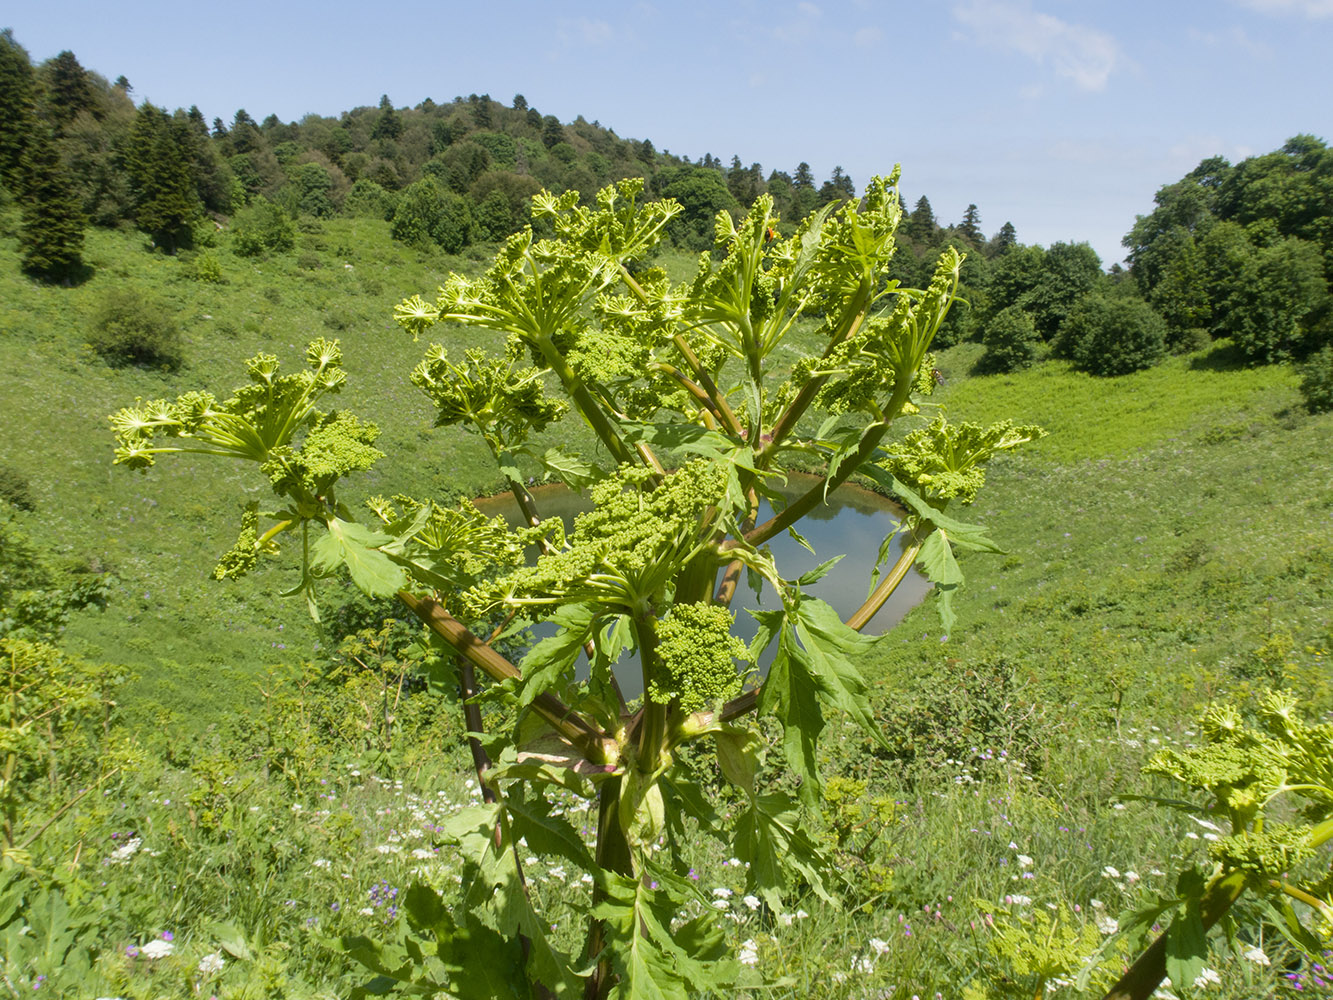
(854,521)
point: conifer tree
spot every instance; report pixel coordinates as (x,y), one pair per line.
(1003,241)
(17,118)
(68,90)
(970,227)
(51,237)
(162,179)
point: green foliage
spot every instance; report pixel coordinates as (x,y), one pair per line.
(52,234)
(636,575)
(427,215)
(262,227)
(1112,336)
(131,327)
(702,194)
(1317,381)
(205,266)
(15,489)
(158,162)
(368,199)
(17,110)
(1011,341)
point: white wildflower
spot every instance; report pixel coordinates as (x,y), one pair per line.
(1024,861)
(1207,825)
(366,911)
(1107,925)
(124,852)
(421,854)
(749,954)
(878,946)
(322,863)
(721,892)
(1257,956)
(157,949)
(211,963)
(751,901)
(1110,872)
(1206,977)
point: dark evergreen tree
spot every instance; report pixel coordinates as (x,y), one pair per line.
(51,237)
(520,103)
(970,228)
(18,119)
(1003,241)
(388,125)
(921,225)
(159,161)
(68,90)
(552,131)
(481,113)
(123,84)
(836,188)
(803,178)
(245,134)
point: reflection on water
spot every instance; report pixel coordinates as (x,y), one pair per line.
(854,521)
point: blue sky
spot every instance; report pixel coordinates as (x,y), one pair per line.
(1061,116)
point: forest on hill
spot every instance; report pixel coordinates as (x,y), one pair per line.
(1107,725)
(1240,251)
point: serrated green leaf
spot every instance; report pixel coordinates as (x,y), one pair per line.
(768,836)
(818,573)
(936,558)
(652,962)
(573,470)
(353,545)
(790,694)
(800,540)
(553,657)
(1186,944)
(833,649)
(1288,923)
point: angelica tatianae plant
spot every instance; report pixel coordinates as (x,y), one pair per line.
(1270,780)
(695,424)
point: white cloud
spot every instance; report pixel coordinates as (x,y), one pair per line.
(867,37)
(585,31)
(1308,8)
(799,27)
(1081,54)
(1233,37)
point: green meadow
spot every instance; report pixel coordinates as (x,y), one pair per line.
(268,787)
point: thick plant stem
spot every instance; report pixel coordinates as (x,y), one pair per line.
(596,745)
(861,617)
(613,854)
(1147,973)
(481,761)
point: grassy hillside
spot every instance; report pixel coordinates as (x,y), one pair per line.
(1168,543)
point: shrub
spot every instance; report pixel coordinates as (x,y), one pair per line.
(15,488)
(1010,340)
(131,327)
(1317,381)
(206,267)
(1112,336)
(262,226)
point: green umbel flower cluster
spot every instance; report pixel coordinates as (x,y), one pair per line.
(257,419)
(948,461)
(624,552)
(504,403)
(1246,768)
(697,653)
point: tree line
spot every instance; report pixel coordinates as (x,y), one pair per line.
(77,150)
